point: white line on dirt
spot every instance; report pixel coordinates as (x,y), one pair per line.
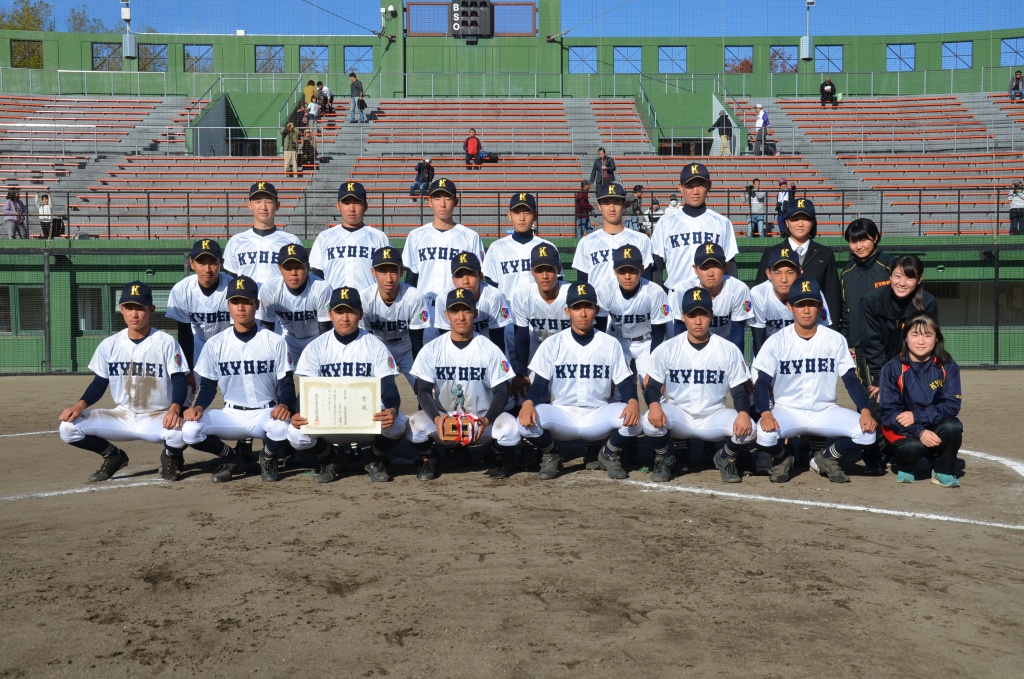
(28,433)
(80,490)
(1012,464)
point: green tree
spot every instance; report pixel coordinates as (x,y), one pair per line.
(79,21)
(26,15)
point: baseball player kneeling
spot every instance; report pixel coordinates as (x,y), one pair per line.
(463,376)
(349,351)
(252,368)
(697,369)
(145,371)
(800,364)
(578,368)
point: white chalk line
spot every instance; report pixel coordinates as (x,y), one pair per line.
(28,433)
(80,490)
(1012,464)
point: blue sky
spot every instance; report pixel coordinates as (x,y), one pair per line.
(634,17)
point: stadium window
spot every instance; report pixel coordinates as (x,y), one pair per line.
(31,316)
(1012,52)
(515,19)
(359,59)
(27,53)
(270,58)
(957,55)
(90,310)
(628,59)
(739,59)
(6,321)
(426,19)
(900,57)
(783,59)
(106,56)
(152,58)
(582,60)
(198,58)
(672,59)
(314,59)
(828,59)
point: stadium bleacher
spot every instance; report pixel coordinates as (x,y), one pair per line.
(618,121)
(70,120)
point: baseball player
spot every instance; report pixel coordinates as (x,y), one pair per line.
(769,299)
(578,368)
(342,254)
(395,311)
(538,311)
(199,303)
(638,310)
(430,247)
(799,366)
(145,371)
(462,372)
(349,351)
(253,370)
(680,234)
(254,253)
(295,302)
(492,311)
(730,296)
(697,369)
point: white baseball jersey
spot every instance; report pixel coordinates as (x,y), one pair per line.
(345,255)
(473,372)
(679,235)
(428,253)
(207,314)
(507,263)
(247,372)
(772,313)
(365,356)
(392,323)
(139,374)
(581,376)
(732,304)
(632,318)
(491,311)
(530,310)
(298,315)
(594,254)
(250,254)
(805,370)
(698,381)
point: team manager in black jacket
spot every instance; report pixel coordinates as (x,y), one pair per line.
(817,261)
(867,270)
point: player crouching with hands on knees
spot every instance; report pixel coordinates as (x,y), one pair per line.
(799,364)
(254,372)
(577,368)
(919,400)
(145,371)
(462,375)
(349,351)
(697,369)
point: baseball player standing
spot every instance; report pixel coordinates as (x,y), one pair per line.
(538,311)
(507,262)
(199,303)
(730,296)
(769,299)
(395,311)
(253,370)
(578,368)
(593,258)
(492,313)
(798,365)
(462,373)
(145,371)
(253,253)
(296,300)
(342,254)
(697,369)
(348,351)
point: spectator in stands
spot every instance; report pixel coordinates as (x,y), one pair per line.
(603,172)
(326,97)
(45,216)
(761,124)
(309,91)
(424,175)
(653,216)
(474,149)
(312,112)
(355,91)
(1016,87)
(828,93)
(290,143)
(782,199)
(15,225)
(673,205)
(583,209)
(307,153)
(634,208)
(1016,209)
(724,127)
(758,209)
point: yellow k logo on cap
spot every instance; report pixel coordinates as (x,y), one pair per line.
(694,169)
(460,293)
(387,253)
(522,196)
(627,253)
(611,190)
(709,249)
(463,258)
(205,245)
(351,186)
(442,182)
(696,296)
(291,249)
(543,251)
(800,203)
(581,289)
(240,284)
(135,291)
(784,252)
(344,293)
(261,186)
(805,286)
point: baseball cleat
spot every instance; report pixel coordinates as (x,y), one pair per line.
(611,464)
(377,471)
(270,468)
(428,469)
(945,480)
(549,465)
(498,471)
(227,469)
(827,465)
(780,471)
(663,465)
(727,468)
(328,472)
(111,465)
(170,467)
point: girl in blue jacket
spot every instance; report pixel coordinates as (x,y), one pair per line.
(919,400)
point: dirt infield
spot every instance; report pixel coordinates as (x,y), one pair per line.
(469,577)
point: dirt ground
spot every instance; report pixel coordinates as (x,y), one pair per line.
(470,577)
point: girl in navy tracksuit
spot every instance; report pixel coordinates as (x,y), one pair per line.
(919,400)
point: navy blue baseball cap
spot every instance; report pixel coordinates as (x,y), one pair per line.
(245,287)
(523,200)
(262,189)
(466,260)
(613,191)
(580,293)
(385,256)
(803,289)
(696,299)
(136,292)
(709,252)
(694,171)
(460,297)
(802,206)
(627,256)
(351,190)
(783,255)
(545,255)
(345,297)
(206,246)
(293,251)
(443,185)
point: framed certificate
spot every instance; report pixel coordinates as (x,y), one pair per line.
(339,405)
